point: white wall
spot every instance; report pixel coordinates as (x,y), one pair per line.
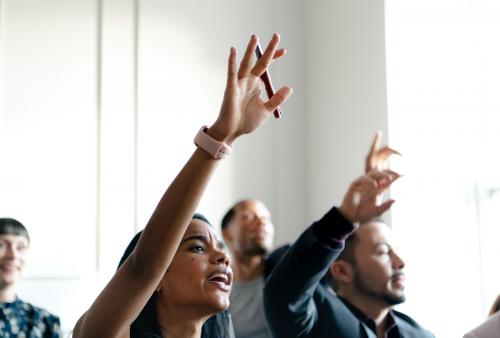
(100,101)
(345,88)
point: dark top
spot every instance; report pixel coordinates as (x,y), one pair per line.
(20,319)
(298,305)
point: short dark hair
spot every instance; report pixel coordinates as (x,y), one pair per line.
(227,217)
(230,214)
(146,324)
(10,226)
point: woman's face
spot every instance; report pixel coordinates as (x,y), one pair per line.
(199,275)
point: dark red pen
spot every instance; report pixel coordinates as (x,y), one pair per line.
(267,82)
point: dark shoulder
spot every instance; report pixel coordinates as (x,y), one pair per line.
(272,259)
(407,323)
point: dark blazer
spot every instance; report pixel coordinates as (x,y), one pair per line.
(298,305)
(272,259)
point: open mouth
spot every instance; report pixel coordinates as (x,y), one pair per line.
(221,280)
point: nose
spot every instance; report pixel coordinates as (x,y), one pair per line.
(220,257)
(397,262)
(10,252)
(260,222)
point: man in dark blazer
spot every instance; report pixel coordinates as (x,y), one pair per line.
(366,272)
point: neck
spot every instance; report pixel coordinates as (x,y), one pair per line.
(178,323)
(7,293)
(247,268)
(374,309)
(181,331)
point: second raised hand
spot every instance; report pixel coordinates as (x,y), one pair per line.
(378,157)
(361,202)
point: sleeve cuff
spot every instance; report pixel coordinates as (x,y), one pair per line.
(333,228)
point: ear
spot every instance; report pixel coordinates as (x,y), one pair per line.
(342,271)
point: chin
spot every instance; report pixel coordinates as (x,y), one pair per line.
(395,298)
(219,305)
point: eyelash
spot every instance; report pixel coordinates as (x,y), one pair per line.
(195,248)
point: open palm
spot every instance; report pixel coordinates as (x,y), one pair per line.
(242,109)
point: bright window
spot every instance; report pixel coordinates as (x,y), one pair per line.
(443,76)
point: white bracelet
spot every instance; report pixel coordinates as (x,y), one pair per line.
(216,149)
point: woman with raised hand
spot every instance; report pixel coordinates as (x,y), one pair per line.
(179,260)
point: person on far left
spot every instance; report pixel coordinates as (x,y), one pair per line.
(19,318)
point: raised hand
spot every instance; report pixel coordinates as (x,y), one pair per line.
(377,157)
(362,201)
(242,109)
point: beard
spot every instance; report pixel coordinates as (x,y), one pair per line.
(256,249)
(387,297)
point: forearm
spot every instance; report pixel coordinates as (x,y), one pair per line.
(291,286)
(312,254)
(173,214)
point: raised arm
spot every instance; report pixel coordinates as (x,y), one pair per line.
(242,112)
(289,291)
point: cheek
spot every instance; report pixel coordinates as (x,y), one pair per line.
(378,268)
(189,269)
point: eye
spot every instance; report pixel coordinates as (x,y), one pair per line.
(197,249)
(21,248)
(382,250)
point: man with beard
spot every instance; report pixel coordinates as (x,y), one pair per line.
(367,273)
(248,233)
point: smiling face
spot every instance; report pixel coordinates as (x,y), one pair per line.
(378,272)
(199,275)
(13,252)
(250,231)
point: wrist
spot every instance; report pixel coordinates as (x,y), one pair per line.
(346,213)
(218,134)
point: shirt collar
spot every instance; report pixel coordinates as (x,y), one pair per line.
(390,320)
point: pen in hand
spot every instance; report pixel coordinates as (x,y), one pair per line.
(267,82)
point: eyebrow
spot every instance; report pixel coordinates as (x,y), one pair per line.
(194,237)
(203,238)
(382,243)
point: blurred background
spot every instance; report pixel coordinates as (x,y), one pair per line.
(100,101)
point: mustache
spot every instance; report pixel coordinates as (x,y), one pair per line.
(397,274)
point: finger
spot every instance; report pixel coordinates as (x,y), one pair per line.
(231,69)
(382,178)
(279,53)
(246,62)
(385,206)
(390,177)
(376,142)
(267,57)
(378,175)
(371,158)
(278,98)
(385,152)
